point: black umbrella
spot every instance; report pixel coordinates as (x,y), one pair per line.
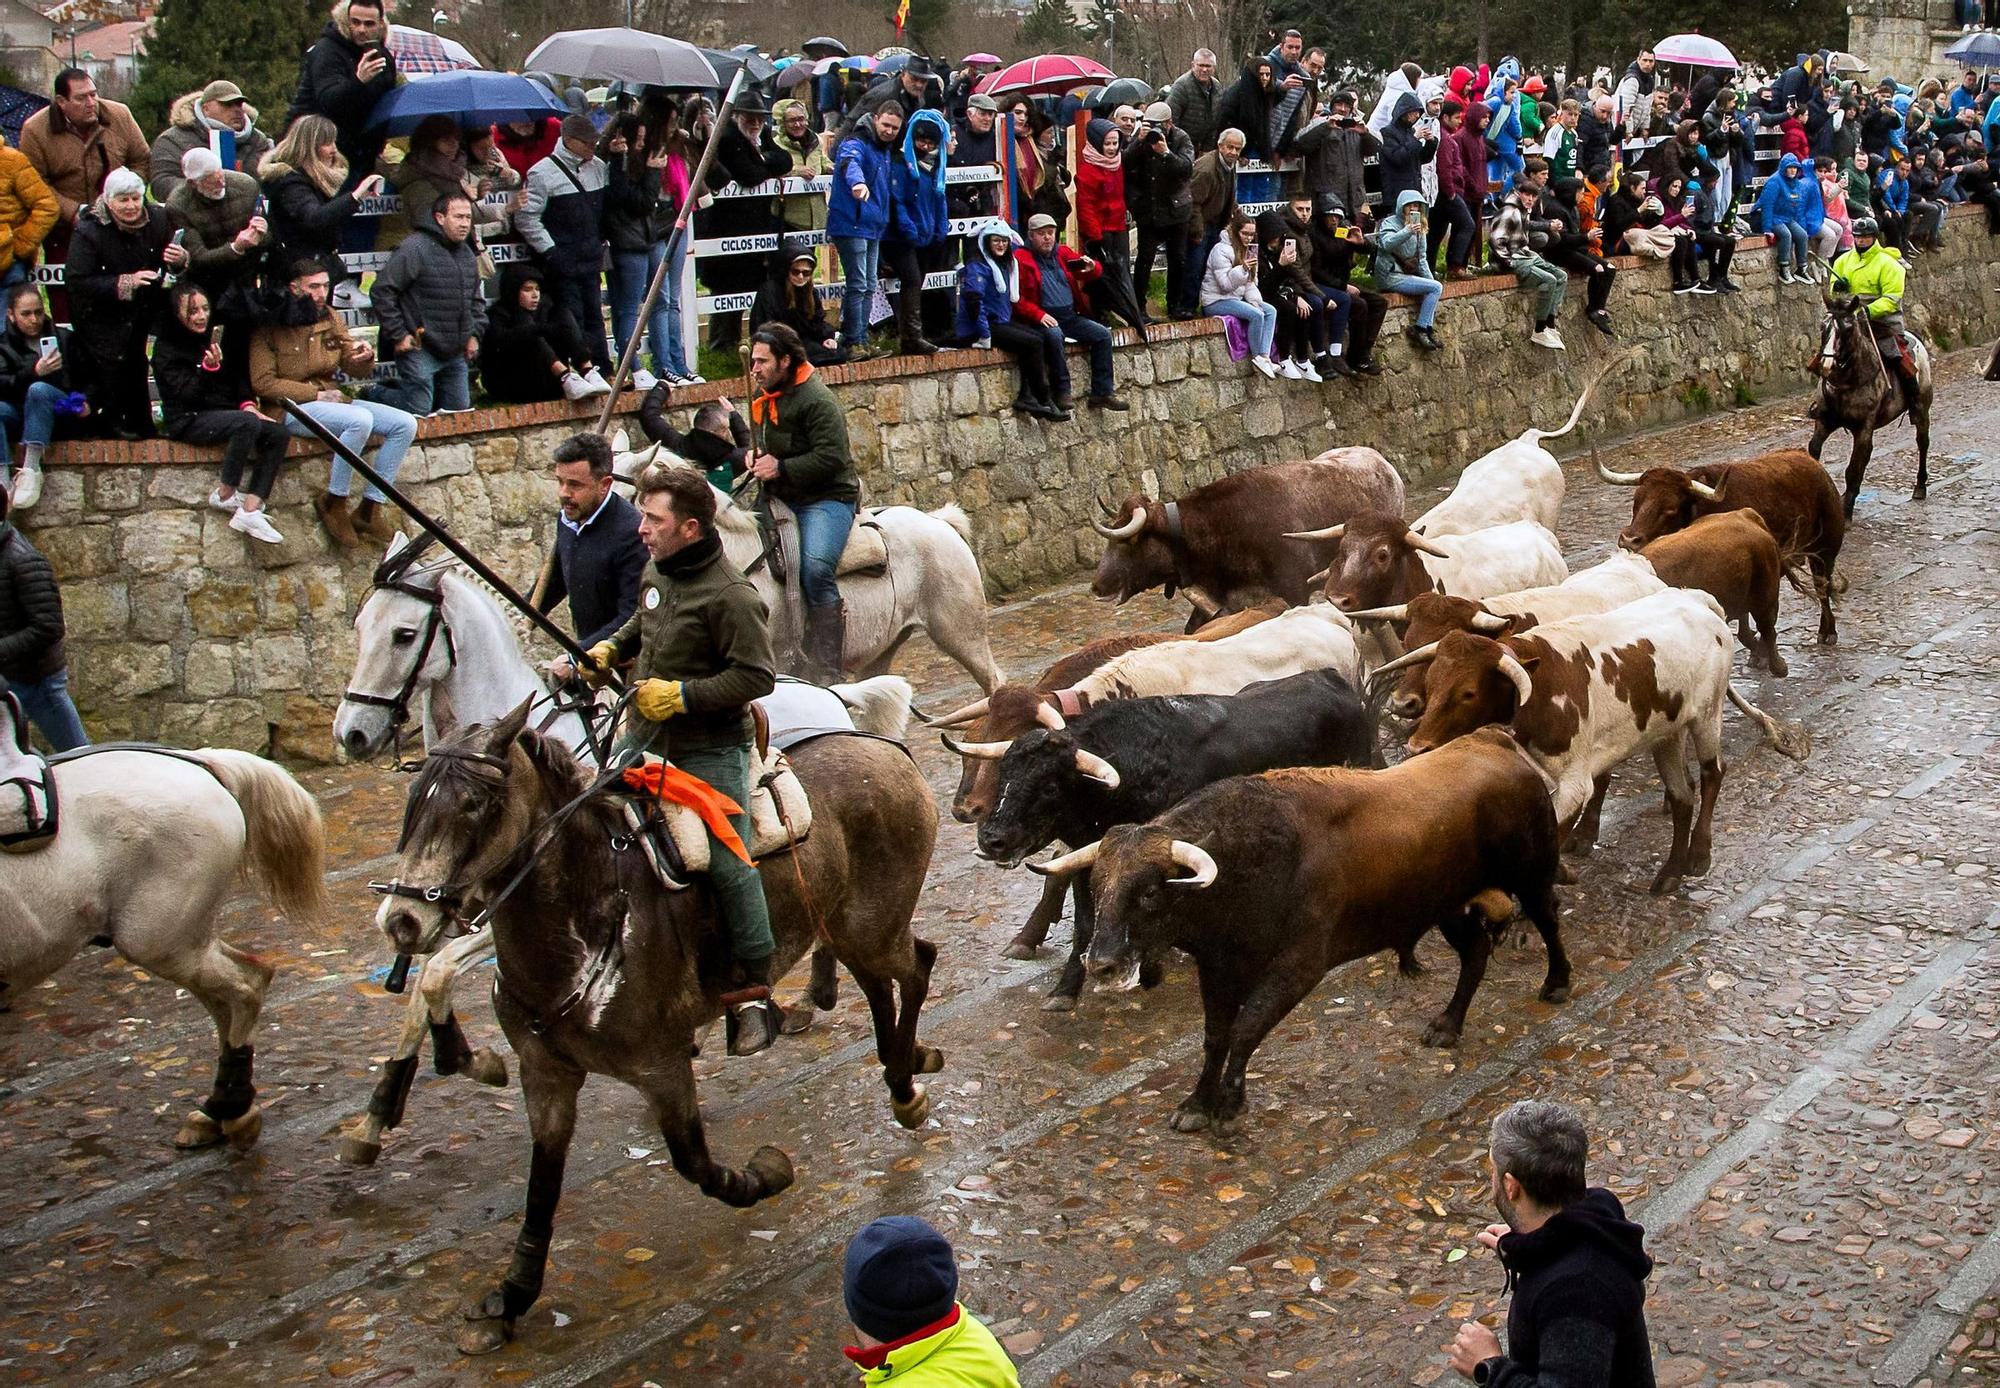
(1126,91)
(726,61)
(823,47)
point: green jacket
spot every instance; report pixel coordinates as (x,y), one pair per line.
(805,429)
(700,622)
(962,1355)
(1878,271)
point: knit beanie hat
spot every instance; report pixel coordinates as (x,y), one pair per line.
(900,1277)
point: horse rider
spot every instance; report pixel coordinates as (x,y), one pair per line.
(1872,268)
(799,451)
(701,647)
(599,557)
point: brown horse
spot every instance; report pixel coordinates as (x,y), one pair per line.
(1858,393)
(602,972)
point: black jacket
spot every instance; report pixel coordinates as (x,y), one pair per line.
(598,571)
(723,462)
(638,211)
(1245,105)
(18,356)
(1404,154)
(1593,143)
(305,221)
(774,305)
(98,254)
(186,389)
(327,87)
(969,148)
(518,347)
(31,618)
(1159,179)
(1579,1310)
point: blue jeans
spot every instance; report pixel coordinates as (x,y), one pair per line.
(1429,289)
(860,264)
(14,274)
(823,528)
(426,384)
(631,273)
(353,422)
(48,706)
(1260,319)
(38,409)
(1198,251)
(1093,335)
(1791,242)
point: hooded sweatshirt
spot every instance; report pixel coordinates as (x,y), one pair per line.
(1791,196)
(1404,154)
(918,214)
(988,288)
(1400,245)
(1578,1313)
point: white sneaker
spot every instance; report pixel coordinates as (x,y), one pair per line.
(253,524)
(1265,365)
(574,387)
(594,379)
(643,380)
(347,294)
(27,487)
(1310,372)
(1289,369)
(1547,338)
(232,502)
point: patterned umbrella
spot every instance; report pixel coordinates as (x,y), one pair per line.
(1051,74)
(418,51)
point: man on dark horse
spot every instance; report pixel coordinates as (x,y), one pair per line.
(1873,269)
(701,648)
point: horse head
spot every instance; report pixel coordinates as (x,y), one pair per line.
(1845,340)
(405,645)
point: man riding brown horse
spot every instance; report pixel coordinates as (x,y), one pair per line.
(1874,272)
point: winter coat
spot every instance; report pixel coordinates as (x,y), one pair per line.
(1894,191)
(1503,127)
(804,427)
(1877,271)
(739,161)
(919,213)
(185,388)
(1334,252)
(1792,139)
(861,159)
(1100,198)
(1193,105)
(969,148)
(296,361)
(208,228)
(1246,105)
(511,364)
(1399,246)
(1331,158)
(809,160)
(1579,1286)
(774,305)
(328,87)
(562,216)
(31,615)
(1158,178)
(1833,204)
(1618,212)
(28,209)
(1277,282)
(75,167)
(523,152)
(1213,192)
(1029,309)
(638,209)
(305,221)
(429,290)
(986,295)
(185,131)
(723,462)
(1404,154)
(1287,102)
(1788,199)
(1222,278)
(960,1354)
(18,356)
(1593,143)
(99,253)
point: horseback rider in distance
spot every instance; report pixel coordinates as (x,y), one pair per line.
(1873,269)
(701,646)
(799,452)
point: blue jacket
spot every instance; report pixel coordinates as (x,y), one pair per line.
(1793,200)
(917,211)
(1895,191)
(863,159)
(986,289)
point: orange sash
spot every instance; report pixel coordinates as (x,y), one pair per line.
(676,787)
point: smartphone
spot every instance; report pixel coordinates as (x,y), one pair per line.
(178,237)
(50,346)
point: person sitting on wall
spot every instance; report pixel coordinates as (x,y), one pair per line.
(533,350)
(36,393)
(791,296)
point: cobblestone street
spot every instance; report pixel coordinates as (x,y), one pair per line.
(1791,1071)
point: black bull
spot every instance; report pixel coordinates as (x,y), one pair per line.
(1159,751)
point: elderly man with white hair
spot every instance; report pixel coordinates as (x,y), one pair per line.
(215,211)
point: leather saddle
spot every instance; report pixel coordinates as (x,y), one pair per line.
(867,550)
(29,810)
(676,840)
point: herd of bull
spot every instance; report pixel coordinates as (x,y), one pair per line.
(1222,792)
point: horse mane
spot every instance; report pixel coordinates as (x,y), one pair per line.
(589,871)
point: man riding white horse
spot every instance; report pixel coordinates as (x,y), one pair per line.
(1873,269)
(799,451)
(701,653)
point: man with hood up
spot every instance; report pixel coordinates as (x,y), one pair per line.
(1576,1266)
(1791,212)
(919,221)
(1405,151)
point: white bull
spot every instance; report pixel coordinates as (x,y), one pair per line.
(1315,637)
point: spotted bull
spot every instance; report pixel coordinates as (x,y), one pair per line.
(1128,760)
(1270,881)
(1380,560)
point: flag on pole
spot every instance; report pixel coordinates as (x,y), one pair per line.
(902,15)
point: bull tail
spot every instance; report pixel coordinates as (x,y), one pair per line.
(955,517)
(1798,574)
(1535,436)
(1789,738)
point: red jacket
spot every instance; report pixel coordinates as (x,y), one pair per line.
(1100,202)
(523,152)
(1029,309)
(1794,141)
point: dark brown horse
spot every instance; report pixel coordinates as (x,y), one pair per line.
(601,971)
(1859,393)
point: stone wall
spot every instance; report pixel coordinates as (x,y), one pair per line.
(1904,39)
(183,631)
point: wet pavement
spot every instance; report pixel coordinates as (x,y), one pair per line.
(1788,1069)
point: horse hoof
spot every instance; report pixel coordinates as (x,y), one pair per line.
(1188,1120)
(825,999)
(198,1130)
(1579,848)
(1920,494)
(1059,1002)
(1556,993)
(1665,884)
(359,1151)
(486,1067)
(912,1114)
(1441,1034)
(798,1019)
(1779,669)
(1020,949)
(242,1133)
(930,1060)
(1565,874)
(772,1167)
(485,1335)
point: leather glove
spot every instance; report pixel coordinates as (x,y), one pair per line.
(658,700)
(603,656)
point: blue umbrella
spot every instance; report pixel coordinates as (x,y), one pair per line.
(1976,50)
(475,98)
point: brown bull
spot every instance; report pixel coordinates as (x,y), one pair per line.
(1223,543)
(1732,557)
(1788,489)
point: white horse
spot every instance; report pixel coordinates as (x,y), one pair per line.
(434,645)
(931,584)
(151,842)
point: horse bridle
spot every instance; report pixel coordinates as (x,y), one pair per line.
(392,574)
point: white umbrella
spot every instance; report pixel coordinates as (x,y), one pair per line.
(1696,50)
(629,55)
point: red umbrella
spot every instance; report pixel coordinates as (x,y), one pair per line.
(1052,74)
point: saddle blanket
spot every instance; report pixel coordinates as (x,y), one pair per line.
(27,786)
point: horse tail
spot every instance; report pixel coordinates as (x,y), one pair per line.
(955,517)
(286,852)
(880,705)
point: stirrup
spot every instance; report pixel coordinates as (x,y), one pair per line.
(765,1022)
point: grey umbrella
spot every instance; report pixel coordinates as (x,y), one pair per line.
(726,61)
(629,55)
(823,47)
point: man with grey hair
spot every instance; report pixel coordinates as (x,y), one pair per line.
(1576,1265)
(1192,98)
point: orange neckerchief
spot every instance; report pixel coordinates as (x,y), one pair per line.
(767,403)
(676,787)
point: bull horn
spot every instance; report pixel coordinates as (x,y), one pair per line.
(1069,863)
(1105,506)
(1050,717)
(1399,613)
(1492,623)
(1701,489)
(1423,546)
(1121,532)
(1200,600)
(1524,687)
(977,751)
(1317,579)
(977,709)
(1332,532)
(1201,867)
(1616,479)
(1422,655)
(1097,769)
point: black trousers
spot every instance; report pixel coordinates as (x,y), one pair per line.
(918,314)
(1718,249)
(1598,273)
(250,441)
(1028,346)
(1452,217)
(115,385)
(1174,240)
(1365,312)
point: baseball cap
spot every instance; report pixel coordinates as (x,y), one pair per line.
(222,89)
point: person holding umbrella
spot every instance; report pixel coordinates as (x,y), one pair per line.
(746,155)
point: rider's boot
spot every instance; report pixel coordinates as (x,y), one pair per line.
(752,1018)
(826,638)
